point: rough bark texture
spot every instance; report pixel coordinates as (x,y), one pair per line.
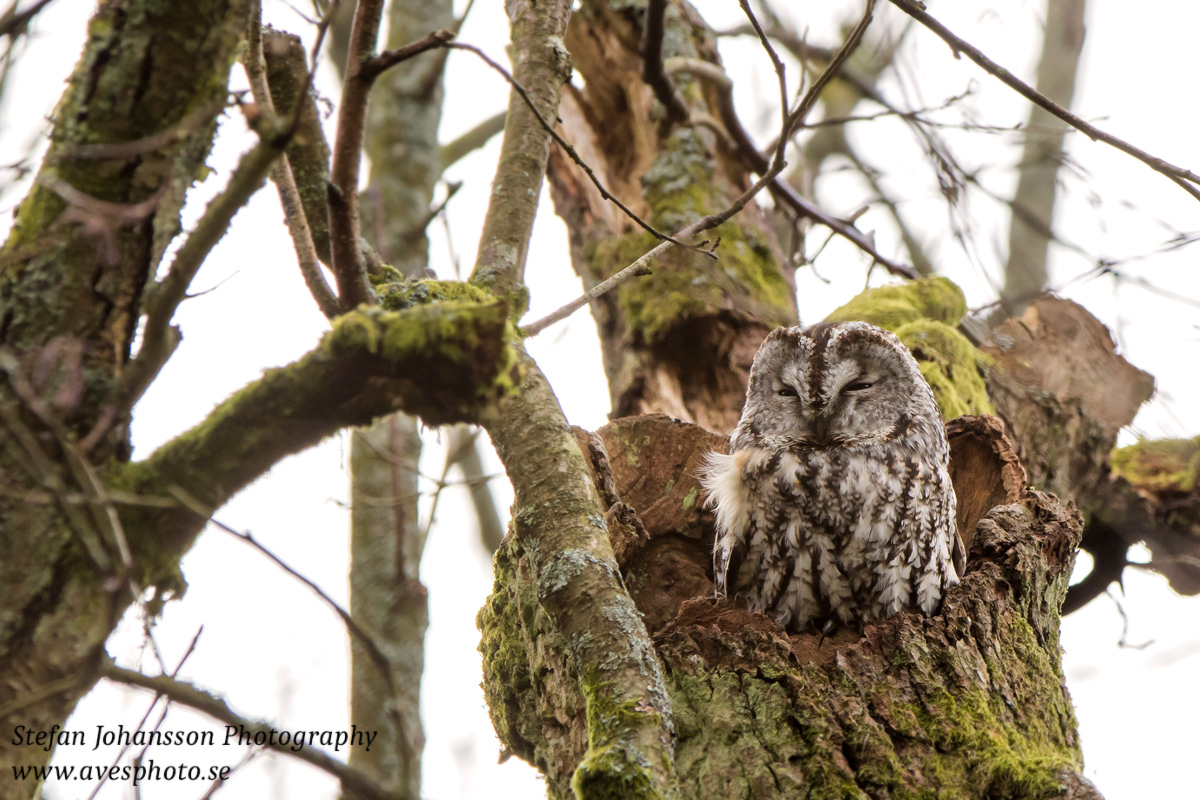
(1058,382)
(603,653)
(680,340)
(70,296)
(70,292)
(968,704)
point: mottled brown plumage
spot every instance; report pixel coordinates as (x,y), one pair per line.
(834,505)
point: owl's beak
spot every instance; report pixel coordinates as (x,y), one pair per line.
(822,421)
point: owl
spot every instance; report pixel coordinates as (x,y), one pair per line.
(834,506)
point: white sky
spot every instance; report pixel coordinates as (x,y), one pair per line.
(276,653)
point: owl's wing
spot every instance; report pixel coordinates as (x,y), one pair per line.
(958,553)
(725,494)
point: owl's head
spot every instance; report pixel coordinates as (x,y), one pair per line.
(832,384)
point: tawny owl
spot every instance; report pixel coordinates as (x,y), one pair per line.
(834,505)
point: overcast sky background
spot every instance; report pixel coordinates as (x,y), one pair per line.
(276,653)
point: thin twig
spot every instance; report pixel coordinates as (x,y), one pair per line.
(639,267)
(147,144)
(776,63)
(353,627)
(186,694)
(1184,178)
(777,164)
(166,296)
(570,151)
(758,163)
(13,24)
(652,62)
(285,181)
(141,724)
(374,67)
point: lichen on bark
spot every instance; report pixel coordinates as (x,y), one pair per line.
(970,703)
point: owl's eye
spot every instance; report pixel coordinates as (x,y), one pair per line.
(787,391)
(858,387)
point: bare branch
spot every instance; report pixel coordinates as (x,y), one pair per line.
(637,268)
(15,23)
(285,181)
(354,629)
(348,269)
(758,163)
(147,144)
(166,296)
(188,695)
(767,176)
(374,67)
(1184,178)
(569,150)
(473,139)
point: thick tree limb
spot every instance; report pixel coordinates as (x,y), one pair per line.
(541,66)
(72,284)
(559,518)
(559,526)
(443,362)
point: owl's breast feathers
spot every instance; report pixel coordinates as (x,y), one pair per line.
(844,535)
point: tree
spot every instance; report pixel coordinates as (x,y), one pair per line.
(606,663)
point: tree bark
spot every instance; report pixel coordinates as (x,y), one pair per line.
(970,703)
(680,340)
(69,303)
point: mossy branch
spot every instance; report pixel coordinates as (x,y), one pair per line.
(559,523)
(559,519)
(445,363)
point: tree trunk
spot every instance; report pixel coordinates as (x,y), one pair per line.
(69,302)
(970,703)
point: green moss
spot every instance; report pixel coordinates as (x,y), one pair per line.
(689,500)
(1159,464)
(951,365)
(689,285)
(613,767)
(745,277)
(447,328)
(397,293)
(890,307)
(922,314)
(980,752)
